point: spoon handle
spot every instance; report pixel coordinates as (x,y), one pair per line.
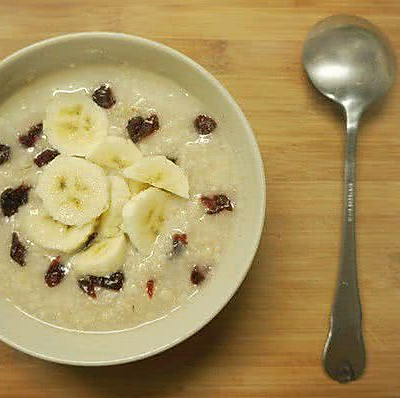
(344,355)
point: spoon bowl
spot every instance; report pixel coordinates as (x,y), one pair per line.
(351,62)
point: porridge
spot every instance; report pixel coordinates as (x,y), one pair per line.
(119,196)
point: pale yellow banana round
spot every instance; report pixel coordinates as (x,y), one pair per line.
(102,258)
(42,229)
(115,153)
(144,217)
(136,186)
(111,220)
(74,124)
(74,191)
(161,173)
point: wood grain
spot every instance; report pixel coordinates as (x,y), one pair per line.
(267,342)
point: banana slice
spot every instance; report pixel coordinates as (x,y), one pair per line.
(161,173)
(136,186)
(144,217)
(111,220)
(102,258)
(115,153)
(74,124)
(41,229)
(74,191)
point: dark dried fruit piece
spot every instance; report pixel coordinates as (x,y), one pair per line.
(5,153)
(55,273)
(12,199)
(134,125)
(138,128)
(198,274)
(104,97)
(29,139)
(173,160)
(89,240)
(179,242)
(87,286)
(216,203)
(18,250)
(113,282)
(150,288)
(45,157)
(205,124)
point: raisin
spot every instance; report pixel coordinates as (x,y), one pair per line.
(198,274)
(216,203)
(89,240)
(18,250)
(172,159)
(104,97)
(150,288)
(45,157)
(152,123)
(12,199)
(29,139)
(113,282)
(134,126)
(205,124)
(87,286)
(139,128)
(5,153)
(179,242)
(55,273)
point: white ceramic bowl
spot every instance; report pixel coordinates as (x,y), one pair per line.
(93,348)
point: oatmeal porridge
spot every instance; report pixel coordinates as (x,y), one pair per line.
(119,197)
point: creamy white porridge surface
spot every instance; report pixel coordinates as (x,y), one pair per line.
(156,277)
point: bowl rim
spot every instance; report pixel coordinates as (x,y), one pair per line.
(258,161)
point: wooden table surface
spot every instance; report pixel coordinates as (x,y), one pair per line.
(267,342)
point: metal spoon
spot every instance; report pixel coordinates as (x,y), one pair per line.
(349,61)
